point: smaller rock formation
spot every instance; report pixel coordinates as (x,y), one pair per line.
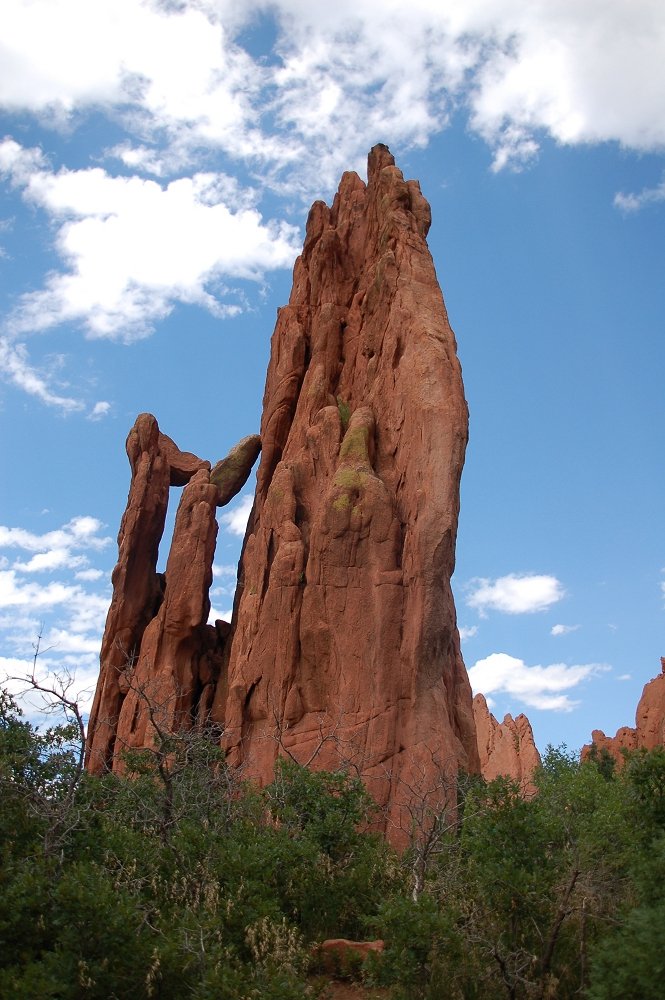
(649,730)
(506,749)
(339,956)
(158,652)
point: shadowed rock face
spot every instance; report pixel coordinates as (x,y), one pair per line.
(649,731)
(157,645)
(506,749)
(345,642)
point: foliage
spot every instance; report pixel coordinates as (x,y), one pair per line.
(176,879)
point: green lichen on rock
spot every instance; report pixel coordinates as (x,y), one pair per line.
(230,474)
(355,445)
(342,502)
(344,413)
(350,479)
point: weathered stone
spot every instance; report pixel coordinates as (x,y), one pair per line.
(179,655)
(155,462)
(649,730)
(232,472)
(340,956)
(506,749)
(345,642)
(158,652)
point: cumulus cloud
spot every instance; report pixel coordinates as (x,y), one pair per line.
(536,686)
(235,520)
(133,247)
(184,91)
(563,629)
(514,594)
(339,74)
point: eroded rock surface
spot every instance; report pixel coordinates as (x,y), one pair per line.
(649,730)
(157,649)
(345,644)
(506,749)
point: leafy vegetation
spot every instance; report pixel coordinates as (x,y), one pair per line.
(177,880)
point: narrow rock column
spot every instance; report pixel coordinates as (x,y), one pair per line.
(156,463)
(160,659)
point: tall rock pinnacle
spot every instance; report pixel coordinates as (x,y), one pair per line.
(345,644)
(343,648)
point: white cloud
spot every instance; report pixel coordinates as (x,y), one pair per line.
(468,632)
(216,615)
(235,520)
(134,248)
(563,629)
(52,559)
(16,369)
(15,593)
(625,677)
(341,75)
(99,410)
(514,594)
(634,202)
(89,574)
(82,532)
(537,686)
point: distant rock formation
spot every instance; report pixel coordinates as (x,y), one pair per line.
(345,641)
(157,646)
(344,645)
(506,749)
(649,730)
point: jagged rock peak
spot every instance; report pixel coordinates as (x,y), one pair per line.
(345,643)
(506,749)
(649,730)
(157,645)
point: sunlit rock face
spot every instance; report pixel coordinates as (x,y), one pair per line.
(160,660)
(506,749)
(649,730)
(344,643)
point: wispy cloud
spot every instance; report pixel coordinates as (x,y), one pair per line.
(514,594)
(644,198)
(467,632)
(536,686)
(100,410)
(54,548)
(67,615)
(15,368)
(563,629)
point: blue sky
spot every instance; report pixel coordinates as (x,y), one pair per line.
(157,160)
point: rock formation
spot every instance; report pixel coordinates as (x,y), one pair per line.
(345,644)
(157,647)
(649,730)
(506,749)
